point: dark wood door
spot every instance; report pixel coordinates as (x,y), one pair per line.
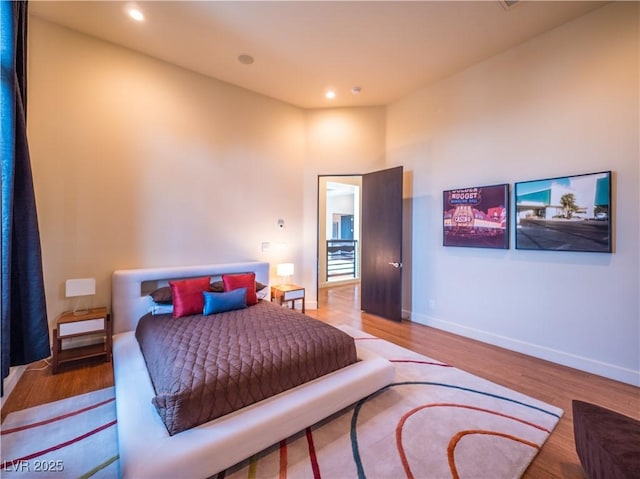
(381,262)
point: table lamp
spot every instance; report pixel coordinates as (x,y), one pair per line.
(285,270)
(79,289)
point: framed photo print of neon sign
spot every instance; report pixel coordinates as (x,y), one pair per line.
(476,217)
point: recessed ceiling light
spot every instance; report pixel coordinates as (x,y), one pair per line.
(136,14)
(330,95)
(245,59)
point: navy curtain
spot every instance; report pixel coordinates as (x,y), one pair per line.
(25,330)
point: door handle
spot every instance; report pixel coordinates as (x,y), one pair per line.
(396,265)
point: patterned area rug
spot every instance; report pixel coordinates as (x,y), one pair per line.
(71,438)
(434,421)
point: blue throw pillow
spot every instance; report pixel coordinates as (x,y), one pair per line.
(221,302)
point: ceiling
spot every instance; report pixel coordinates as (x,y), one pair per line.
(303,48)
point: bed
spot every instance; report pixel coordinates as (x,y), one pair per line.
(145,446)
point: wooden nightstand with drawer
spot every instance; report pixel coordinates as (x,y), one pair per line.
(287,293)
(93,325)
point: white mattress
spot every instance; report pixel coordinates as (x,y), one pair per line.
(147,450)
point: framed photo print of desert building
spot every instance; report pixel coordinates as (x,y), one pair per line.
(476,217)
(568,213)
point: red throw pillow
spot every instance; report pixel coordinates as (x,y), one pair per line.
(244,280)
(187,296)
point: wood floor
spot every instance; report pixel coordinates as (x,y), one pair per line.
(557,385)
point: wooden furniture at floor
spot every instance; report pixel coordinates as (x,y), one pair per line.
(284,293)
(94,325)
(607,442)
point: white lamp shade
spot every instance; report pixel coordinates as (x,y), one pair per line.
(79,287)
(284,269)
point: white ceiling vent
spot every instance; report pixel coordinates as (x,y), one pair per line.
(507,4)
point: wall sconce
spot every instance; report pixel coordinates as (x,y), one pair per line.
(285,270)
(79,288)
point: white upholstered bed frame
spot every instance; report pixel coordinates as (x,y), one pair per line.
(145,447)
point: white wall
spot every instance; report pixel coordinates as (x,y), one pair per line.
(139,163)
(341,141)
(563,103)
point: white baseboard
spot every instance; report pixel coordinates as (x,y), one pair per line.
(575,361)
(10,382)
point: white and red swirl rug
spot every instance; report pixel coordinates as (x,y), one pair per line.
(433,421)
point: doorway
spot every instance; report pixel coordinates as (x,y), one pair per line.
(364,245)
(339,206)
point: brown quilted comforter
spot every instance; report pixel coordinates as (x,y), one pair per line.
(203,367)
